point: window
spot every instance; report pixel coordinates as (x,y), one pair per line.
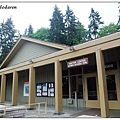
(80,87)
(92,90)
(65,87)
(76,85)
(73,86)
(111,87)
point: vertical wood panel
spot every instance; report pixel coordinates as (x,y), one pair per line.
(102,84)
(3,88)
(31,86)
(15,88)
(58,87)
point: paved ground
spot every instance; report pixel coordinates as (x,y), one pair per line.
(68,112)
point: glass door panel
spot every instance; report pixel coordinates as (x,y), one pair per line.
(91,87)
(65,87)
(80,87)
(73,85)
(77,85)
(111,87)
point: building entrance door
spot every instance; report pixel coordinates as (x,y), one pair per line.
(76,86)
(77,92)
(113,88)
(92,90)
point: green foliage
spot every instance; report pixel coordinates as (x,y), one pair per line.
(41,34)
(95,22)
(65,29)
(70,27)
(81,33)
(106,30)
(57,28)
(8,37)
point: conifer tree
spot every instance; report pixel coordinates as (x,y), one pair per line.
(70,26)
(81,34)
(25,32)
(57,27)
(94,26)
(118,23)
(8,37)
(30,30)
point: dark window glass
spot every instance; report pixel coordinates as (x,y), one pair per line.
(76,85)
(90,69)
(65,87)
(111,87)
(76,70)
(80,87)
(110,66)
(92,91)
(65,72)
(73,85)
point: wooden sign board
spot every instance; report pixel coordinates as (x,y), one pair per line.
(79,62)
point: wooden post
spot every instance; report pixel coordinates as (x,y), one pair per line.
(3,88)
(102,84)
(15,88)
(58,87)
(31,87)
(69,83)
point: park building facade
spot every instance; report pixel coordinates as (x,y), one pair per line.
(84,75)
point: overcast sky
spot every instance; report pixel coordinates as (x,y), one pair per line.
(38,14)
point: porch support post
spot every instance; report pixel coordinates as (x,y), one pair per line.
(15,88)
(102,84)
(58,87)
(31,87)
(3,88)
(69,83)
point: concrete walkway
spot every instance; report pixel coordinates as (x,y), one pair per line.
(68,112)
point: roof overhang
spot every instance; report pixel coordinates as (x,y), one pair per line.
(103,43)
(22,40)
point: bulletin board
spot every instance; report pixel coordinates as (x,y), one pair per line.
(45,89)
(26,89)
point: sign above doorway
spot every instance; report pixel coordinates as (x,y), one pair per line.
(79,62)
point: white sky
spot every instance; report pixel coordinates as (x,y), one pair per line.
(38,14)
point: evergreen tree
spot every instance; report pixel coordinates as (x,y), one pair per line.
(25,32)
(70,24)
(118,23)
(81,34)
(30,30)
(8,37)
(119,14)
(57,27)
(95,22)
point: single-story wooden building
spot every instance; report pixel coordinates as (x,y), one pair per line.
(84,75)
